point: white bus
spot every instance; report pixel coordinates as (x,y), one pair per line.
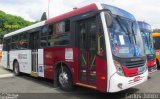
(96,46)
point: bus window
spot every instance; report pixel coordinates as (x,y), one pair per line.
(92,30)
(59,27)
(23,44)
(67,25)
(4,45)
(15,41)
(156,42)
(60,40)
(82,41)
(44,35)
(60,35)
(92,49)
(8,44)
(82,45)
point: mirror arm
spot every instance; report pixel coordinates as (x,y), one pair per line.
(107,10)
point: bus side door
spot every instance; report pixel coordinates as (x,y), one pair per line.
(34,39)
(87,51)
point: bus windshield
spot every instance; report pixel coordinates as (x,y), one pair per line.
(146,36)
(125,37)
(147,40)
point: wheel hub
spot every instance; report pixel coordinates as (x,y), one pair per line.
(63,79)
(16,68)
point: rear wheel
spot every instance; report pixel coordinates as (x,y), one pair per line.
(16,69)
(65,80)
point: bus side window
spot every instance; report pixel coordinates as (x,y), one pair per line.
(44,35)
(23,41)
(15,42)
(82,39)
(8,44)
(4,45)
(60,35)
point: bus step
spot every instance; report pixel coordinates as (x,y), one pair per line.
(34,74)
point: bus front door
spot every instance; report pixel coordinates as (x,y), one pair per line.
(34,52)
(87,52)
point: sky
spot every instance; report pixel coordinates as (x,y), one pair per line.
(143,10)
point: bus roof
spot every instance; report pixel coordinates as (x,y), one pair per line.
(81,10)
(144,26)
(75,12)
(155,34)
(119,11)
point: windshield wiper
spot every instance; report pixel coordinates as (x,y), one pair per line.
(125,30)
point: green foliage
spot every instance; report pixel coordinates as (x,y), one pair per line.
(9,23)
(156,31)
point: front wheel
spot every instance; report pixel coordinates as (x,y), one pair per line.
(16,69)
(65,79)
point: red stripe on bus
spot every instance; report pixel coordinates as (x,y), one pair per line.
(130,71)
(73,13)
(151,63)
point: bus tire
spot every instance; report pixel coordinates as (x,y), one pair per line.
(65,80)
(16,68)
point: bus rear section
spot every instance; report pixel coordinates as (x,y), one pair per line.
(146,30)
(95,46)
(156,43)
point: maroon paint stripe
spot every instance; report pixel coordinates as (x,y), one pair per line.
(72,13)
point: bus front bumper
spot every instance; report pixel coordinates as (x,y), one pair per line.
(152,69)
(119,83)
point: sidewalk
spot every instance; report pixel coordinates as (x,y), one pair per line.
(5,73)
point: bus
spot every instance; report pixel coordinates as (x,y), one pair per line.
(146,31)
(156,42)
(97,46)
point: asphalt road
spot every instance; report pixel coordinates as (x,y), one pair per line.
(32,88)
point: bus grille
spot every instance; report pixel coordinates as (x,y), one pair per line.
(133,64)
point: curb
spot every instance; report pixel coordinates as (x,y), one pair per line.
(6,75)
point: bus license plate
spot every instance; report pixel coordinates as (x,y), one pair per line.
(141,69)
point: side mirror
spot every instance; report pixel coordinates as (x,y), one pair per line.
(108,18)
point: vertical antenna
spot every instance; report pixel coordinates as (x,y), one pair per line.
(48,7)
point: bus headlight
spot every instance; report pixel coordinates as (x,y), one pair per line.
(119,68)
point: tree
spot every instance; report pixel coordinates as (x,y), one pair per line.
(44,16)
(156,31)
(9,23)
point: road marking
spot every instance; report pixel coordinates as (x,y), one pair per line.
(6,75)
